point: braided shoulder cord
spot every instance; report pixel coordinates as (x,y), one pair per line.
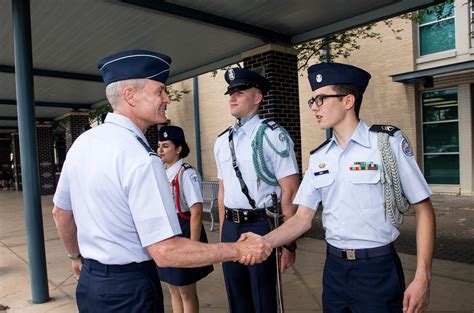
(258,157)
(394,201)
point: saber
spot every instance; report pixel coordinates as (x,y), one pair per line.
(276,215)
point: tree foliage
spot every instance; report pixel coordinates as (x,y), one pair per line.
(342,44)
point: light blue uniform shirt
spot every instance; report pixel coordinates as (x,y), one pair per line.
(189,188)
(354,214)
(258,189)
(118,193)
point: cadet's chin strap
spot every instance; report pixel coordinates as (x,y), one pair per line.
(394,201)
(261,168)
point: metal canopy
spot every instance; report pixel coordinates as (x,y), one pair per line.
(69,37)
(428,74)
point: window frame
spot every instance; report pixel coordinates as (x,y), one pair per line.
(419,26)
(423,123)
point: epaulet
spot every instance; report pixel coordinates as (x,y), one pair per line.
(225,131)
(147,147)
(186,166)
(388,129)
(270,123)
(320,146)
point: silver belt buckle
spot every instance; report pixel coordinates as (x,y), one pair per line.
(350,255)
(235,216)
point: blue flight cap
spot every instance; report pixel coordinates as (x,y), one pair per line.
(241,79)
(325,74)
(171,133)
(135,64)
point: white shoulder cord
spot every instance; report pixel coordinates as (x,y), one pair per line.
(394,201)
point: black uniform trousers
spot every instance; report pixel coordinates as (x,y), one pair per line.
(250,289)
(364,285)
(129,288)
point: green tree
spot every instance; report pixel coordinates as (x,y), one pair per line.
(342,44)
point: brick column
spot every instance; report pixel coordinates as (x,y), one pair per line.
(16,161)
(151,136)
(5,149)
(73,123)
(44,135)
(279,64)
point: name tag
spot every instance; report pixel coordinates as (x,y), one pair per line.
(321,172)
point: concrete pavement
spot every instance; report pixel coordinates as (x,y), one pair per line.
(452,288)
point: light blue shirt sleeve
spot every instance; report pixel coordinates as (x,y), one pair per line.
(62,196)
(151,203)
(308,195)
(282,166)
(412,180)
(191,187)
(216,158)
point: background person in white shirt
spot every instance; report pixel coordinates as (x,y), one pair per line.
(185,186)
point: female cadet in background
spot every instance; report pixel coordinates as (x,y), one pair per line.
(186,188)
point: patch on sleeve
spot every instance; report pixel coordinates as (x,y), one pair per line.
(195,179)
(282,137)
(406,147)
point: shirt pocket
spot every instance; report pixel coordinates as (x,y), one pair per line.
(323,180)
(364,177)
(366,187)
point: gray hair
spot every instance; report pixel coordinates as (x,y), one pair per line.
(113,91)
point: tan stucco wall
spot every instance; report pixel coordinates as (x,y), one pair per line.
(214,117)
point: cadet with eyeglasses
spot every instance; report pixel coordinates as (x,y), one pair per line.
(365,177)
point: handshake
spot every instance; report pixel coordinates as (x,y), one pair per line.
(253,248)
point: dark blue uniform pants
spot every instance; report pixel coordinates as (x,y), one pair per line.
(250,289)
(373,285)
(132,288)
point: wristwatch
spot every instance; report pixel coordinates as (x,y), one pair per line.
(75,258)
(291,247)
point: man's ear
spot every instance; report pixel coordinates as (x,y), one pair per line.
(349,101)
(129,95)
(258,97)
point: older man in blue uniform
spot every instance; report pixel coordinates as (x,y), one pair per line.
(257,169)
(113,207)
(364,177)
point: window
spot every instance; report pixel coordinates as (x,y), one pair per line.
(441,136)
(436,29)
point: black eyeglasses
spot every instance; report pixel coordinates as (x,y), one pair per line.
(318,100)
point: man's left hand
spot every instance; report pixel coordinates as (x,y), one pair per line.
(76,268)
(287,259)
(416,296)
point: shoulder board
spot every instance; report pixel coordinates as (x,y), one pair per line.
(147,147)
(186,166)
(225,131)
(320,146)
(388,129)
(270,123)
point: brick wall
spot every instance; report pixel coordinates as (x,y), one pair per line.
(44,135)
(16,161)
(5,149)
(74,123)
(151,136)
(279,66)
